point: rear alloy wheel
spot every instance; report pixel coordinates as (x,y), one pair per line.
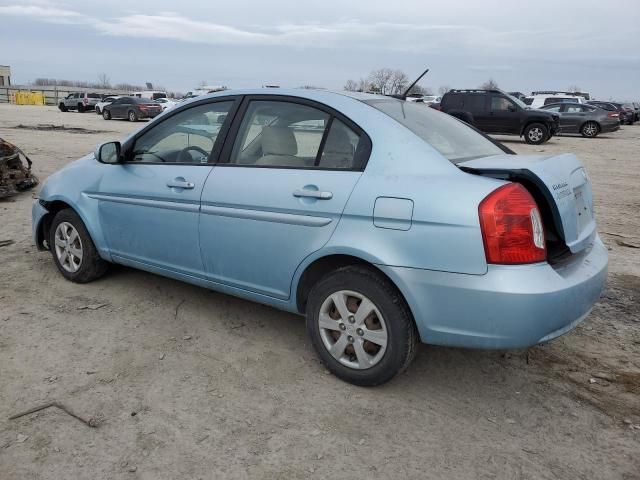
(133,117)
(80,108)
(73,251)
(106,114)
(536,133)
(360,326)
(589,130)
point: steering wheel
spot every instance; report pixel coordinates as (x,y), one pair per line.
(184,157)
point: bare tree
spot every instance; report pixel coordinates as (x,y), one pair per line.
(574,88)
(490,84)
(357,86)
(104,80)
(351,86)
(443,89)
(398,82)
(380,80)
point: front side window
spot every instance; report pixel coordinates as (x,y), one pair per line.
(553,108)
(501,104)
(452,138)
(279,134)
(186,137)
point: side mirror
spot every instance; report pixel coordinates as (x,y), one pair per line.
(108,152)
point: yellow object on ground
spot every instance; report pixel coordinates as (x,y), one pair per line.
(29,98)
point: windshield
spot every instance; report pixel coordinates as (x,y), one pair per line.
(452,138)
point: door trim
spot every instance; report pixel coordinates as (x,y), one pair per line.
(266,216)
(147,202)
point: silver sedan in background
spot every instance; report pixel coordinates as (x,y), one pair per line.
(587,120)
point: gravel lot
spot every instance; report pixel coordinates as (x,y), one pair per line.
(188,383)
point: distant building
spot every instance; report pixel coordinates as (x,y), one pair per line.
(5,75)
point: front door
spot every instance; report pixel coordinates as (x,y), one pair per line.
(573,116)
(280,192)
(504,115)
(149,204)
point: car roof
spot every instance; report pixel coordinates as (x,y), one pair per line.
(318,95)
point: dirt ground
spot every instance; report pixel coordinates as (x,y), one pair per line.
(186,383)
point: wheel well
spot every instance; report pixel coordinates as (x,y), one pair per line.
(321,267)
(53,208)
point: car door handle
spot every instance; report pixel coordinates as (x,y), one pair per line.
(313,194)
(180,184)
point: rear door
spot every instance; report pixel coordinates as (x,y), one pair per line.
(573,116)
(287,171)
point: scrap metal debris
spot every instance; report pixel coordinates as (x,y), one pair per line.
(58,128)
(92,422)
(15,177)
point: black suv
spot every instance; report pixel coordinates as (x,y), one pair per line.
(494,111)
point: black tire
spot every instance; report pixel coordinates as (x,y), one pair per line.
(106,114)
(92,266)
(402,336)
(80,108)
(590,130)
(132,116)
(62,107)
(98,112)
(536,134)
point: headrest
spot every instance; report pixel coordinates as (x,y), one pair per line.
(278,141)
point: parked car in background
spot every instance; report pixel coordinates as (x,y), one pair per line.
(587,120)
(539,99)
(319,207)
(106,101)
(80,101)
(131,108)
(494,111)
(150,94)
(205,89)
(431,99)
(166,103)
(626,111)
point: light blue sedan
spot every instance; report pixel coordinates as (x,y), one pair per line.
(383,221)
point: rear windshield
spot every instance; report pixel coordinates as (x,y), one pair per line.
(94,95)
(159,95)
(452,138)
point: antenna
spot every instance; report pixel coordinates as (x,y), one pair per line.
(406,92)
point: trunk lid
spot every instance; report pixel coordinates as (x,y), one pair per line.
(559,180)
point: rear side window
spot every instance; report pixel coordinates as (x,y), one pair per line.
(340,147)
(452,138)
(475,103)
(279,134)
(452,101)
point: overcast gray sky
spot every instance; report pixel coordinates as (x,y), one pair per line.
(523,45)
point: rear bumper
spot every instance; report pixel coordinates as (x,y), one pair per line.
(509,306)
(610,127)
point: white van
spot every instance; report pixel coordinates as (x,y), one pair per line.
(150,94)
(538,100)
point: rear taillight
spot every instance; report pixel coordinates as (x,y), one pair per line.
(512,229)
(612,115)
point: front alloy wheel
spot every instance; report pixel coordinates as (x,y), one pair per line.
(68,247)
(536,133)
(73,251)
